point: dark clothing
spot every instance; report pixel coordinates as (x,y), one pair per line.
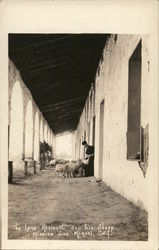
(89,169)
(90,150)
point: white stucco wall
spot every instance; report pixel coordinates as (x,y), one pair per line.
(111,84)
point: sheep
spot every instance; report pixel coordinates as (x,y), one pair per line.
(54,162)
(73,167)
(51,163)
(61,161)
(62,168)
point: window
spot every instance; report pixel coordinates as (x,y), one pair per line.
(134,106)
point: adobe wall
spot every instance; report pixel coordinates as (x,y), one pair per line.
(111,84)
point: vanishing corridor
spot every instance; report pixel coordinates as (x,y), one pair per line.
(79,97)
(72,208)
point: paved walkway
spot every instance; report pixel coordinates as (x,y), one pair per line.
(43,206)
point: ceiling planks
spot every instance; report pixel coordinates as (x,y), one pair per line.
(58,69)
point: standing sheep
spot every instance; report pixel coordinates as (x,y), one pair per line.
(62,168)
(73,167)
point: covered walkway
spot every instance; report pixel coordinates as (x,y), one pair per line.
(48,207)
(91,87)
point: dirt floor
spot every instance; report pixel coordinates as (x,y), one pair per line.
(44,206)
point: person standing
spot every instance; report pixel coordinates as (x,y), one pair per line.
(89,150)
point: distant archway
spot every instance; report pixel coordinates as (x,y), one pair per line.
(29,131)
(41,131)
(45,133)
(49,137)
(16,124)
(36,138)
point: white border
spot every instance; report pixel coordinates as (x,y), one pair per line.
(46,16)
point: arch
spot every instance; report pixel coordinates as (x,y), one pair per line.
(45,133)
(49,137)
(29,131)
(41,131)
(16,124)
(36,137)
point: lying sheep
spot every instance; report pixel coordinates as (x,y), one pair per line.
(73,167)
(61,161)
(51,163)
(54,162)
(62,168)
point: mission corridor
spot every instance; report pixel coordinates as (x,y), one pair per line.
(68,93)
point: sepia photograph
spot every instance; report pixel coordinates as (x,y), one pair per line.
(78,136)
(80,139)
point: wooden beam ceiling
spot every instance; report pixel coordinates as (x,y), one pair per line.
(58,69)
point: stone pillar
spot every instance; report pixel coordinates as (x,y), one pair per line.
(10,172)
(26,168)
(34,167)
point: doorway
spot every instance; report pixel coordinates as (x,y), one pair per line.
(93,130)
(101,128)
